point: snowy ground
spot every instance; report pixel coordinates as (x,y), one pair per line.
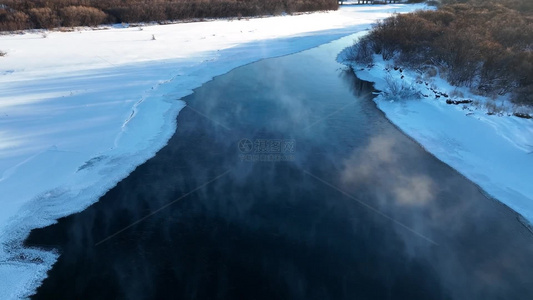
(493,151)
(80,110)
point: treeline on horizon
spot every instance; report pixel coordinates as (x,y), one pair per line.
(47,14)
(483,44)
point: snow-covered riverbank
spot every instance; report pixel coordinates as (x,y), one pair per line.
(80,110)
(493,151)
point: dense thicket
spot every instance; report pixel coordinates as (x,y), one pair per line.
(26,14)
(484,44)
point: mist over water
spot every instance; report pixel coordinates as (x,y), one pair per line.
(355,210)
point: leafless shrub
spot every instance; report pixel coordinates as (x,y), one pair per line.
(364,51)
(523,110)
(398,89)
(81,16)
(13,20)
(361,52)
(493,108)
(44,18)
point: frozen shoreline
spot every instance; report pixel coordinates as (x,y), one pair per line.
(494,152)
(80,110)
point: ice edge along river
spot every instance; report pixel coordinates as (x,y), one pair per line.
(495,152)
(80,110)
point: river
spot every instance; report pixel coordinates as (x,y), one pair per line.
(284,181)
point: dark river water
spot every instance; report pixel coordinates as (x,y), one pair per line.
(284,181)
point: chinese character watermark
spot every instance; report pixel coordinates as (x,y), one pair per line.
(270,150)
